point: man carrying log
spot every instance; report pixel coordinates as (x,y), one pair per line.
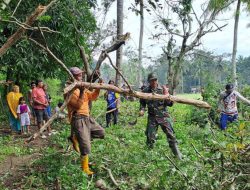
(84,127)
(158,115)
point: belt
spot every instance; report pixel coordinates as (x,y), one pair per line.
(79,116)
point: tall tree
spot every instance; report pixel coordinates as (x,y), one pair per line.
(119,34)
(186,32)
(222,5)
(140,41)
(235,41)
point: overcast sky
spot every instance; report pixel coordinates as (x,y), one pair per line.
(219,42)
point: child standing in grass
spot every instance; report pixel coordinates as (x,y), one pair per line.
(23,112)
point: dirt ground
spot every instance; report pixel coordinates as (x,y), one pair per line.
(14,168)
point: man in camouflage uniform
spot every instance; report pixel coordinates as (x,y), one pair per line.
(158,115)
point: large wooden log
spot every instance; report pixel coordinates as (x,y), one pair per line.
(147,96)
(40,10)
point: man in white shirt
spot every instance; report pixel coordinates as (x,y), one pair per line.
(228,105)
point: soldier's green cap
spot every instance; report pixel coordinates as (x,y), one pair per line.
(151,76)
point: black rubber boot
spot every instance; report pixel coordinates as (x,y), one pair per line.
(176,151)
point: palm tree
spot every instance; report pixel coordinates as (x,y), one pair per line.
(119,33)
(235,41)
(225,3)
(140,41)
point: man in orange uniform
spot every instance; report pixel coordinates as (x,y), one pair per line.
(83,126)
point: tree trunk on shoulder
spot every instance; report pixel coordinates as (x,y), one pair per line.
(119,34)
(236,23)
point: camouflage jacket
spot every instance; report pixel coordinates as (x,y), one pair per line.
(155,107)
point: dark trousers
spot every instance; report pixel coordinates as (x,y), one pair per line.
(109,115)
(166,124)
(224,118)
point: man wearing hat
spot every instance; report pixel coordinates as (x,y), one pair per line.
(84,127)
(158,115)
(228,105)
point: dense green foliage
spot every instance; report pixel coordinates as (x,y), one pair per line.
(212,159)
(25,61)
(209,159)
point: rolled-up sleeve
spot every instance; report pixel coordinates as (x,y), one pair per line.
(75,101)
(93,95)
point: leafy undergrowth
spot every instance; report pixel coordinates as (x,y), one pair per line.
(11,146)
(211,159)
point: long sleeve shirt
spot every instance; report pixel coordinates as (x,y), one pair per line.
(155,107)
(80,105)
(228,102)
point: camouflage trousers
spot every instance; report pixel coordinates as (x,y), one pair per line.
(166,124)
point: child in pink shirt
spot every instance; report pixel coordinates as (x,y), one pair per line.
(23,113)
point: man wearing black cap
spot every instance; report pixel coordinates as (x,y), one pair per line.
(228,105)
(158,115)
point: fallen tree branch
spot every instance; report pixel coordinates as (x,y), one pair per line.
(107,111)
(40,10)
(53,55)
(53,117)
(184,175)
(111,176)
(16,7)
(44,29)
(82,53)
(119,72)
(85,60)
(232,179)
(118,43)
(198,152)
(147,96)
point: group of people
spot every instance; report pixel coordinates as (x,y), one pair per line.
(21,113)
(84,127)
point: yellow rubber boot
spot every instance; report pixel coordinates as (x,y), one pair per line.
(75,144)
(85,165)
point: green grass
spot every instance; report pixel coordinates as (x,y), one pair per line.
(12,147)
(133,165)
(192,96)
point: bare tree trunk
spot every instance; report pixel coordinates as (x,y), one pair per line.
(236,23)
(170,76)
(119,34)
(171,62)
(182,82)
(140,42)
